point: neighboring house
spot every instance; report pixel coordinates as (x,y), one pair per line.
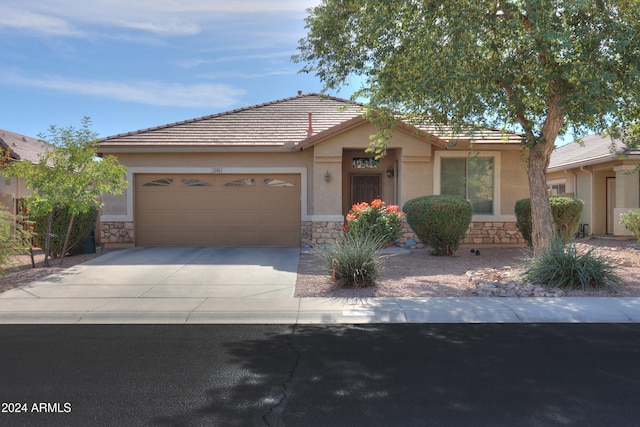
(594,172)
(15,147)
(288,171)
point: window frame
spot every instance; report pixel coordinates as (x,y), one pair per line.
(437,170)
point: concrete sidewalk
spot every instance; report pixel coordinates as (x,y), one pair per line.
(195,310)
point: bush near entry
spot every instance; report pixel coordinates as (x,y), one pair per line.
(382,221)
(83,224)
(566,213)
(439,221)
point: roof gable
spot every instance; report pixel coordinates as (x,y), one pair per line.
(22,147)
(284,122)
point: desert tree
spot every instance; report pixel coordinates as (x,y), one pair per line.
(539,67)
(69,174)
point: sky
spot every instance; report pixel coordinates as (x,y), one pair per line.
(134,64)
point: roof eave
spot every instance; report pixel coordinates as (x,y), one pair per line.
(187,149)
(592,161)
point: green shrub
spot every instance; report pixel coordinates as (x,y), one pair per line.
(353,261)
(564,267)
(631,221)
(381,221)
(83,224)
(14,239)
(439,221)
(566,213)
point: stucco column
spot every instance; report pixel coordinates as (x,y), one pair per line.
(327,187)
(627,195)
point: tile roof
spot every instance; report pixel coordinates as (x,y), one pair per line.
(276,123)
(594,149)
(281,123)
(22,147)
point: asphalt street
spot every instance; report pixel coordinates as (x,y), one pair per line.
(321,375)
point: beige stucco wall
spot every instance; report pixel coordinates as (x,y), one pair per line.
(589,183)
(409,156)
(11,189)
(514,184)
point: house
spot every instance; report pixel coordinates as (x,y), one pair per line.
(287,172)
(15,147)
(595,172)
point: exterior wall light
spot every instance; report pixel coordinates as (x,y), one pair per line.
(390,172)
(327,176)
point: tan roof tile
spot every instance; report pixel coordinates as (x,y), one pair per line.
(277,123)
(594,149)
(22,147)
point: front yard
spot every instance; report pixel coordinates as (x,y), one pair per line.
(416,273)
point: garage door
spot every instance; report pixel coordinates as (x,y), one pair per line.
(217,210)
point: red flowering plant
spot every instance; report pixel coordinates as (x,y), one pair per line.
(376,219)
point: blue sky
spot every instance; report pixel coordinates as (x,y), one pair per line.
(133,64)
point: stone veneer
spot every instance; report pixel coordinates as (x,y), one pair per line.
(117,232)
(323,232)
(493,233)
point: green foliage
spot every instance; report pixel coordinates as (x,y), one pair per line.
(631,221)
(353,261)
(535,66)
(564,267)
(69,174)
(383,222)
(566,213)
(83,224)
(14,239)
(439,221)
(502,63)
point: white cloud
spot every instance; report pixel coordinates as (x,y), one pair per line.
(192,63)
(184,17)
(142,92)
(41,23)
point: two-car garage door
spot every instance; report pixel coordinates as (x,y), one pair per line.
(217,209)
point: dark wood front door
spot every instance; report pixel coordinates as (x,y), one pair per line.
(364,188)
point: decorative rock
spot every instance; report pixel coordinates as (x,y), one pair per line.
(410,243)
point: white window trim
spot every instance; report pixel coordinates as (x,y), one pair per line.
(437,167)
(132,171)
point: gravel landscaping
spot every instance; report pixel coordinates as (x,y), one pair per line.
(492,272)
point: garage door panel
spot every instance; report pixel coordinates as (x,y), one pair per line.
(200,209)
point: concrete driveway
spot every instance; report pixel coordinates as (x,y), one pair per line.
(178,272)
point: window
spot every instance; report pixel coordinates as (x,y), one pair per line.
(471,178)
(271,182)
(556,189)
(241,182)
(192,182)
(162,182)
(365,163)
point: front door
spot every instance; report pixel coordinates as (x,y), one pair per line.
(365,188)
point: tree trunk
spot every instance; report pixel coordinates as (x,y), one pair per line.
(66,239)
(47,237)
(543,230)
